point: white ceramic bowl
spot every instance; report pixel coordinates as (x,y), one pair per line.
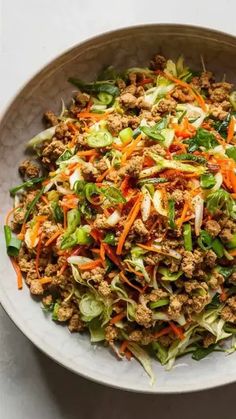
(122,48)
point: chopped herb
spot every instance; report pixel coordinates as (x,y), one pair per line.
(201,353)
(203,138)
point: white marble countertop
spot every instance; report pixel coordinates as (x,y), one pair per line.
(32,32)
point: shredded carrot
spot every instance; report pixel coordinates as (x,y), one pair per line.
(231,127)
(96,235)
(18,273)
(223,295)
(103,175)
(130,149)
(123,347)
(63,268)
(182,83)
(132,270)
(232,176)
(85,153)
(102,254)
(180,220)
(232,252)
(45,280)
(125,279)
(111,254)
(163,332)
(44,199)
(53,238)
(128,355)
(177,330)
(21,235)
(91,115)
(117,318)
(129,222)
(38,251)
(90,265)
(9,214)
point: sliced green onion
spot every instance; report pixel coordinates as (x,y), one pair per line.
(105,98)
(160,303)
(99,139)
(207,180)
(91,189)
(187,233)
(57,212)
(110,238)
(171,213)
(152,133)
(190,157)
(33,203)
(204,240)
(13,244)
(169,276)
(218,248)
(126,134)
(79,237)
(73,219)
(26,184)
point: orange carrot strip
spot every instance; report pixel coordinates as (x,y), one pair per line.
(53,238)
(231,127)
(18,273)
(103,175)
(129,150)
(39,245)
(177,330)
(232,177)
(91,152)
(182,83)
(232,252)
(223,295)
(163,332)
(90,265)
(96,116)
(44,199)
(125,279)
(129,221)
(180,220)
(45,280)
(65,217)
(117,318)
(63,268)
(123,347)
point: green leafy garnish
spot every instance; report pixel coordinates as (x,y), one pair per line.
(220,200)
(96,87)
(13,244)
(231,152)
(203,138)
(152,133)
(207,181)
(204,240)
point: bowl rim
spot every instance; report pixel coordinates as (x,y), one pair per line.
(4,300)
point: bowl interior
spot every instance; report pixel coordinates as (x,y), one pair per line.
(123,48)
